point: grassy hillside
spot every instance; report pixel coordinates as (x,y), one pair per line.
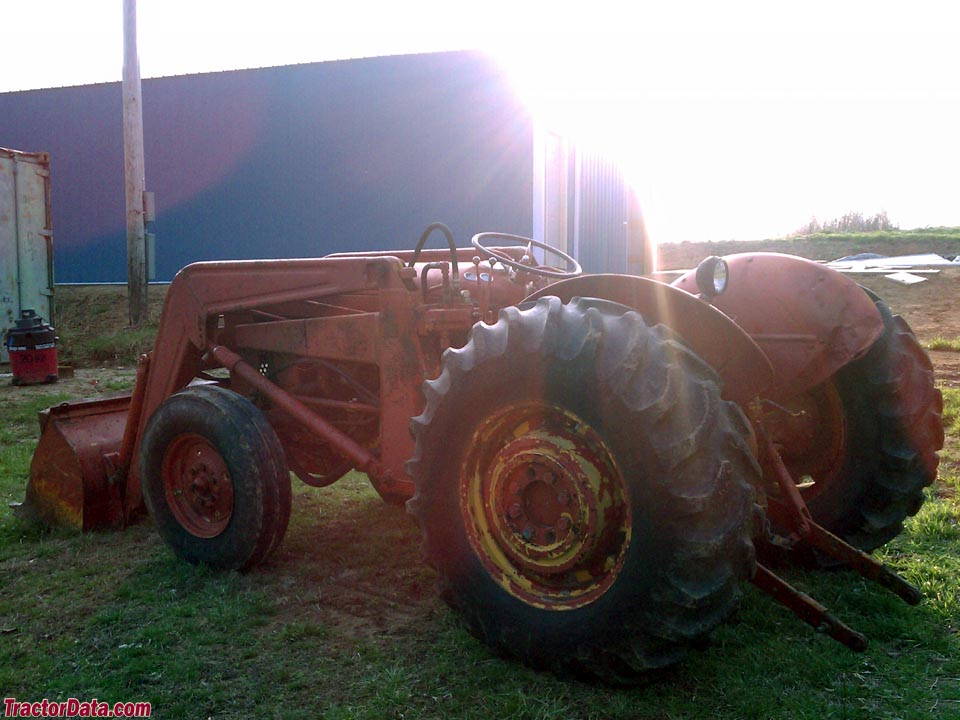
(92,324)
(822,246)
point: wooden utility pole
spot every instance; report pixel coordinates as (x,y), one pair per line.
(134,172)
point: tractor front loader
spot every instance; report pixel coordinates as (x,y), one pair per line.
(595,461)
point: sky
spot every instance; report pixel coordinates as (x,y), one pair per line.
(733,120)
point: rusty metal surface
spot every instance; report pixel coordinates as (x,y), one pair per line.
(810,434)
(197,485)
(337,337)
(464,254)
(721,343)
(868,566)
(796,515)
(787,509)
(545,504)
(202,303)
(403,368)
(807,609)
(808,319)
(360,456)
(202,292)
(129,440)
(73,474)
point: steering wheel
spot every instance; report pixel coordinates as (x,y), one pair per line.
(573,267)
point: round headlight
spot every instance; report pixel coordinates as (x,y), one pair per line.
(712,274)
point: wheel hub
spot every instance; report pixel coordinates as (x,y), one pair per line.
(545,512)
(546,506)
(197,485)
(810,430)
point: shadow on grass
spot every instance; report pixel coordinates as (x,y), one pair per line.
(345,621)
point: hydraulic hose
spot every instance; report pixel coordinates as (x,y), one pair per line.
(455,280)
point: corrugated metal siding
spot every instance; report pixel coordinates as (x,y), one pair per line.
(600,215)
(584,206)
(291,161)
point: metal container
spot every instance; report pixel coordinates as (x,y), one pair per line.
(26,239)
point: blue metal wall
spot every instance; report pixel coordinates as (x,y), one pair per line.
(601,214)
(291,161)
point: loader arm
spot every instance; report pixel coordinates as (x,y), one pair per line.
(85,472)
(202,292)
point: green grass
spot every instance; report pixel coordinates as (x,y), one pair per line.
(123,347)
(942,343)
(18,432)
(93,325)
(345,622)
(951,411)
(822,246)
(927,235)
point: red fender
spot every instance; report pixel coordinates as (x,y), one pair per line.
(742,366)
(808,319)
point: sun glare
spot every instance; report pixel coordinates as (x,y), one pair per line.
(749,139)
(609,101)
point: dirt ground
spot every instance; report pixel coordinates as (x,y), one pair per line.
(930,307)
(83,382)
(932,310)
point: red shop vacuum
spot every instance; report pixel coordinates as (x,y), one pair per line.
(32,345)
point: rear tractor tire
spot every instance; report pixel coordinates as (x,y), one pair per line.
(215,479)
(873,433)
(582,490)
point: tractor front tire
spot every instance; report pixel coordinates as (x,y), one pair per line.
(215,479)
(582,490)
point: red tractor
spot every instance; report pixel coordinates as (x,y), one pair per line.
(594,460)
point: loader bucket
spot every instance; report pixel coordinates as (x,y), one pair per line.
(73,477)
